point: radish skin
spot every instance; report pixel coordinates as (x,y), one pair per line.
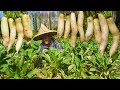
(19,42)
(5,31)
(114,45)
(74,30)
(115,34)
(67,27)
(60,29)
(97,31)
(19,29)
(12,33)
(80,23)
(89,31)
(105,32)
(28,34)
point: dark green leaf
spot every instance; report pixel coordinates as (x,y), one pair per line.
(77,61)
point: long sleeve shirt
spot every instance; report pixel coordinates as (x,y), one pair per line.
(53,43)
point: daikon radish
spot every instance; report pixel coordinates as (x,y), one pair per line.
(115,34)
(74,29)
(80,23)
(97,31)
(12,32)
(89,31)
(28,34)
(60,29)
(105,32)
(67,26)
(5,31)
(19,29)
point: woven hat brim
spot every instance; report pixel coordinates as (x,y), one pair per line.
(39,36)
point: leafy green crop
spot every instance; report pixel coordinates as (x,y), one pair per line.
(82,62)
(19,65)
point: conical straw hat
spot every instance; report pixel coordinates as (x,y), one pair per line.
(44,31)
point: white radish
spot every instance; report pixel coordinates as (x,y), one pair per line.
(60,29)
(12,32)
(89,31)
(105,32)
(80,23)
(74,29)
(28,34)
(67,27)
(5,31)
(19,29)
(115,34)
(97,31)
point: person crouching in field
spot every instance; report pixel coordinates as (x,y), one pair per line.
(45,35)
(48,41)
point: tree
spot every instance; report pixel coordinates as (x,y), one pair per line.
(39,20)
(34,15)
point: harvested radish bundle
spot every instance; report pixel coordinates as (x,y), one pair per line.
(60,29)
(12,31)
(115,34)
(97,31)
(28,34)
(74,29)
(105,32)
(67,26)
(5,30)
(89,31)
(19,29)
(80,23)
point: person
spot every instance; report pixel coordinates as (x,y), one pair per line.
(48,41)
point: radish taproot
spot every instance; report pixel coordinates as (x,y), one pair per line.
(80,23)
(67,26)
(28,34)
(89,31)
(12,32)
(105,32)
(115,34)
(97,31)
(60,29)
(19,29)
(74,29)
(5,31)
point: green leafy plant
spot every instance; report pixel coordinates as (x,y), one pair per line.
(20,65)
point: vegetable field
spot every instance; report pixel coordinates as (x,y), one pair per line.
(90,41)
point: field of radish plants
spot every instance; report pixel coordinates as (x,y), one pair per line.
(90,41)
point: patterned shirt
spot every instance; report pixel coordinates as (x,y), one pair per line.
(53,43)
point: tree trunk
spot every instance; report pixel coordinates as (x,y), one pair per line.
(114,14)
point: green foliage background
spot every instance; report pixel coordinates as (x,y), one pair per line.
(82,62)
